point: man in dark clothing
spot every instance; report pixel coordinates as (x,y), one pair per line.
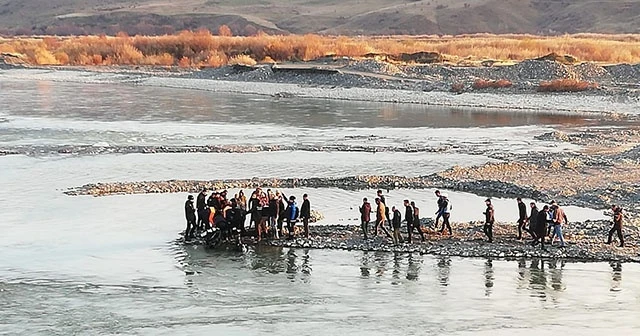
(190,214)
(201,204)
(214,201)
(446,214)
(365,217)
(522,219)
(386,208)
(440,206)
(292,214)
(533,221)
(541,226)
(489,220)
(305,214)
(412,223)
(397,220)
(617,225)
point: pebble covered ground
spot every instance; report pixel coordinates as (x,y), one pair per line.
(585,242)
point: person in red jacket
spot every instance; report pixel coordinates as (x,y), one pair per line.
(365,217)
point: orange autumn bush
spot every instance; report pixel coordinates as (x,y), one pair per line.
(201,48)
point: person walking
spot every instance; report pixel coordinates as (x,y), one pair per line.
(190,215)
(522,218)
(365,217)
(489,220)
(412,222)
(305,214)
(439,211)
(384,202)
(617,225)
(540,225)
(533,221)
(397,220)
(559,218)
(381,218)
(416,216)
(446,213)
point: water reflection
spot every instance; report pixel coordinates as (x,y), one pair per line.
(616,276)
(543,279)
(108,102)
(444,268)
(364,264)
(555,268)
(413,267)
(488,277)
(295,269)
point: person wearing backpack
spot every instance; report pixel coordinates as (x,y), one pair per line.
(292,214)
(617,225)
(413,222)
(446,214)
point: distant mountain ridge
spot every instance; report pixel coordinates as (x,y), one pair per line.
(348,17)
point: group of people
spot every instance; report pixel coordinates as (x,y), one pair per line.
(394,220)
(543,224)
(267,213)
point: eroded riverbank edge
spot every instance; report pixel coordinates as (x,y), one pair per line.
(585,242)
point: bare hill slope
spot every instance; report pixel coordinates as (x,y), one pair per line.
(317,16)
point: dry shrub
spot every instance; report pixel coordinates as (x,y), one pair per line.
(491,84)
(165,60)
(566,85)
(204,49)
(242,60)
(62,57)
(184,62)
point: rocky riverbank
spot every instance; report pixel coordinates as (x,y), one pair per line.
(525,76)
(585,242)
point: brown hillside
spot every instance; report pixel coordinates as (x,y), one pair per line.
(370,17)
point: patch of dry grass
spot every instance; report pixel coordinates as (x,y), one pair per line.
(201,48)
(480,84)
(566,85)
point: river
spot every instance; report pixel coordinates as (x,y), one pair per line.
(111,265)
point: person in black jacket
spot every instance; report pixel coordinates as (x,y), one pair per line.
(201,204)
(489,215)
(522,218)
(413,223)
(440,207)
(190,214)
(397,220)
(533,221)
(305,214)
(541,226)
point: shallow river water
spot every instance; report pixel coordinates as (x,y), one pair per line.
(111,265)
